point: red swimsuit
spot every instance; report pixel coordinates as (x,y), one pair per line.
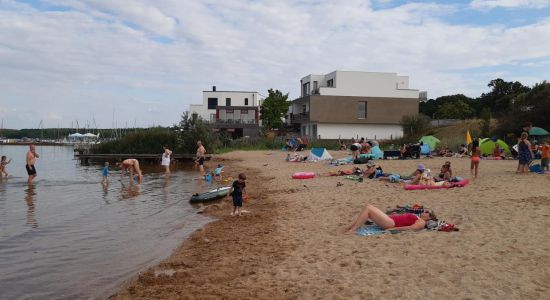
(403,220)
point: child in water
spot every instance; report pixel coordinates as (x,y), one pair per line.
(105,172)
(3,164)
(237,190)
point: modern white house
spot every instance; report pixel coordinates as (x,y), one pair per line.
(346,104)
(236,112)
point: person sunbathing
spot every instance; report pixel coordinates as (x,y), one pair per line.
(406,221)
(445,174)
(427,180)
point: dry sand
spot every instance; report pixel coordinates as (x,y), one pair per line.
(291,246)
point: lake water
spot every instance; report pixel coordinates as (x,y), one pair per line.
(67,236)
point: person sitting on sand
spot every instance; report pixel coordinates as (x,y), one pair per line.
(417,174)
(355,150)
(373,171)
(445,174)
(403,150)
(405,221)
(343,146)
(288,145)
(463,151)
(497,152)
(131,166)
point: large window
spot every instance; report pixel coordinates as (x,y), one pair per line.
(305,89)
(212,103)
(227,101)
(245,101)
(362,110)
(330,83)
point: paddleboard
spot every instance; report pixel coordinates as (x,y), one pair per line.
(210,195)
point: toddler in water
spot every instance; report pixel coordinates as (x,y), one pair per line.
(237,191)
(3,164)
(106,173)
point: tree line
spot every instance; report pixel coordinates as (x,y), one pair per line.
(509,102)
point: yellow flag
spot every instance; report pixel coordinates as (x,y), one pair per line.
(468,138)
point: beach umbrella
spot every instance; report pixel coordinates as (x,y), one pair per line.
(430,140)
(488,145)
(538,131)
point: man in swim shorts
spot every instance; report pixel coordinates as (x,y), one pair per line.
(201,152)
(131,165)
(31,160)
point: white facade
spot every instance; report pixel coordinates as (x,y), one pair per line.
(358,84)
(207,110)
(347,131)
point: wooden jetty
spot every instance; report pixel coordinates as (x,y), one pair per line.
(145,158)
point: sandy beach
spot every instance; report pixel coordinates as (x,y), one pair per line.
(290,244)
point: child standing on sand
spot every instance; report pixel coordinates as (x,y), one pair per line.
(237,190)
(545,161)
(3,164)
(105,173)
(218,174)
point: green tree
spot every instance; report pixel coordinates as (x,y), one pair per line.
(500,99)
(273,109)
(485,116)
(415,125)
(454,110)
(191,129)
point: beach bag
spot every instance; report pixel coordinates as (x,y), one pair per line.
(535,168)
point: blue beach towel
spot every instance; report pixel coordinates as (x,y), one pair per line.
(367,230)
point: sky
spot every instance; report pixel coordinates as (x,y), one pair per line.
(125,63)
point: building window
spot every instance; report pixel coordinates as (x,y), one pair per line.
(212,103)
(244,111)
(315,87)
(227,101)
(304,108)
(245,101)
(330,83)
(362,110)
(305,89)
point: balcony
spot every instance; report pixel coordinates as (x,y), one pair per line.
(299,118)
(235,123)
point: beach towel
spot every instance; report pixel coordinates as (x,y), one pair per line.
(417,209)
(367,230)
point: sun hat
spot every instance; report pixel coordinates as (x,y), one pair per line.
(370,163)
(421,167)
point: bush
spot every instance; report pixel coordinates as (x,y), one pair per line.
(143,141)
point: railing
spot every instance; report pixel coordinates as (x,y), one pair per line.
(236,121)
(298,118)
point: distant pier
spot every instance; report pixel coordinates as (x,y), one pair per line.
(145,158)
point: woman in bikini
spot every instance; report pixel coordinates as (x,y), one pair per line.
(405,221)
(476,157)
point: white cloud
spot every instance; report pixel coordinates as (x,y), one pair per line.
(101,57)
(489,4)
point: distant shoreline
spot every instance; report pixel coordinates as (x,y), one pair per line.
(36,143)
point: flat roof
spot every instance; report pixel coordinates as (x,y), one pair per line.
(228,92)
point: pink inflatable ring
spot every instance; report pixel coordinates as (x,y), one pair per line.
(303,175)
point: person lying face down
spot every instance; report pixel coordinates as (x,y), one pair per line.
(405,221)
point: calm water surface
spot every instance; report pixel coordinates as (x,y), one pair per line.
(67,236)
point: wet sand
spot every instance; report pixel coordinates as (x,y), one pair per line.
(291,246)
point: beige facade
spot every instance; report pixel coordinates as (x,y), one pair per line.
(344,109)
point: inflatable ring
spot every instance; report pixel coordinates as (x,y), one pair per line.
(303,175)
